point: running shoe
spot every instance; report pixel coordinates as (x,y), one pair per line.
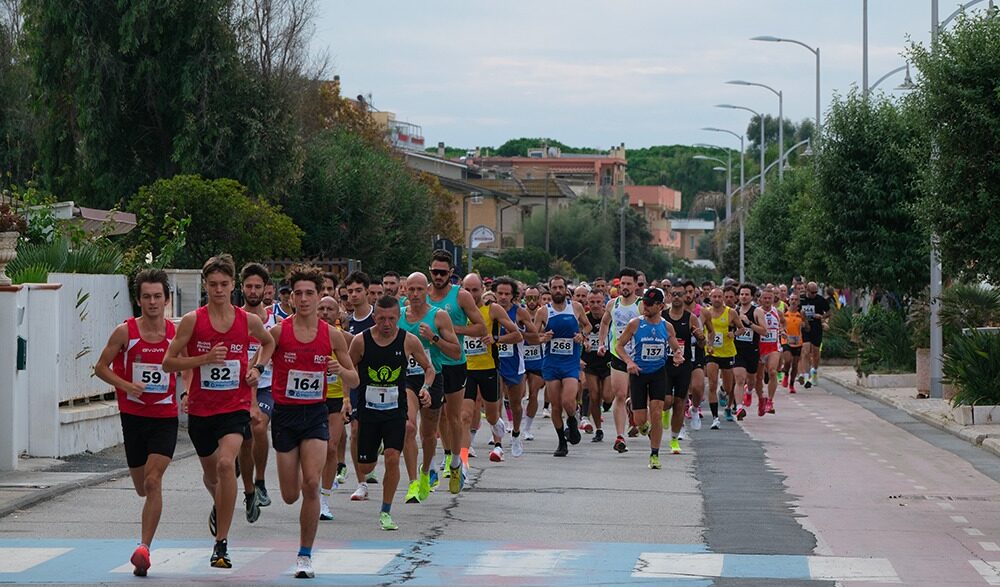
(213,522)
(644,429)
(784,379)
(633,431)
(472,452)
(620,445)
(546,413)
(424,485)
(324,511)
(140,560)
(220,556)
(413,492)
(801,379)
(770,406)
(496,455)
(723,401)
(665,418)
(263,499)
(341,475)
(446,465)
(385,521)
(361,493)
(598,436)
(761,407)
(304,567)
(506,405)
(586,426)
(808,384)
(517,447)
(715,424)
(729,415)
(695,419)
(741,413)
(675,446)
(528,435)
(654,461)
(562,449)
(500,428)
(371,478)
(456,481)
(252,505)
(434,479)
(791,389)
(747,399)
(573,432)
(682,434)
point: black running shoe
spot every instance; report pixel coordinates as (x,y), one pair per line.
(562,451)
(262,497)
(573,431)
(598,436)
(220,556)
(253,506)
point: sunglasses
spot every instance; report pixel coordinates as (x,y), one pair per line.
(440,272)
(343,298)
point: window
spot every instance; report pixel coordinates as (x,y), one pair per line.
(694,245)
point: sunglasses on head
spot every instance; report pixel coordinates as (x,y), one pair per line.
(440,271)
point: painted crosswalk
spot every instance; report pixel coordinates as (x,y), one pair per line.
(426,563)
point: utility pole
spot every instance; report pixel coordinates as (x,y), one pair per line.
(621,223)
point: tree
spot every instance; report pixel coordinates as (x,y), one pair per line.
(359,201)
(770,226)
(866,193)
(577,234)
(674,167)
(519,147)
(956,105)
(17,122)
(223,218)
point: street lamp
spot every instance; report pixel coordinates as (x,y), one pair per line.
(815,52)
(477,198)
(729,173)
(907,83)
(729,196)
(781,117)
(763,145)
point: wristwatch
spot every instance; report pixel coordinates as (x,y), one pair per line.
(259,368)
(435,339)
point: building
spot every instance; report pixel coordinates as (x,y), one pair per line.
(657,203)
(585,174)
(689,232)
(404,136)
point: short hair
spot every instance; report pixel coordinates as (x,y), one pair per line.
(504,280)
(386,302)
(222,263)
(443,256)
(709,283)
(555,277)
(358,277)
(302,272)
(332,277)
(251,269)
(152,276)
(390,274)
(731,288)
(598,278)
(750,286)
(690,283)
(628,272)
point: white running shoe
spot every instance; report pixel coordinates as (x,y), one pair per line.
(546,413)
(715,424)
(500,428)
(586,426)
(517,447)
(695,420)
(304,568)
(472,452)
(496,455)
(324,509)
(682,435)
(528,435)
(361,493)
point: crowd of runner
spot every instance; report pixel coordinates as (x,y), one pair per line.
(370,367)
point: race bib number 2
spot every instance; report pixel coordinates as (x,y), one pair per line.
(224,376)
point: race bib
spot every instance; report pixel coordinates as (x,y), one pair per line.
(306,385)
(152,375)
(413,367)
(745,337)
(474,347)
(680,348)
(809,311)
(224,376)
(794,340)
(561,346)
(651,352)
(595,340)
(771,336)
(533,352)
(381,398)
(505,351)
(717,341)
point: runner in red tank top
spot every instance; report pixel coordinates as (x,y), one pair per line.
(306,351)
(132,363)
(215,339)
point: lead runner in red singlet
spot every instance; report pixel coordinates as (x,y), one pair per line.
(306,351)
(132,363)
(215,339)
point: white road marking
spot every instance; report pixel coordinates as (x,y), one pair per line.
(19,559)
(920,487)
(990,570)
(187,561)
(990,546)
(667,565)
(873,570)
(352,561)
(973,532)
(959,519)
(524,563)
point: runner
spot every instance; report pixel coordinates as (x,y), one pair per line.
(564,326)
(816,310)
(437,335)
(375,291)
(596,367)
(647,367)
(132,362)
(215,338)
(283,307)
(390,284)
(482,377)
(306,350)
(690,337)
(697,388)
(269,294)
(467,321)
(770,347)
(624,308)
(329,285)
(381,354)
(795,325)
(534,355)
(254,451)
(361,318)
(335,466)
(512,363)
(722,352)
(748,352)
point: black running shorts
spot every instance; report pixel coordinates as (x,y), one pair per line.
(374,433)
(205,431)
(484,382)
(647,386)
(145,436)
(293,423)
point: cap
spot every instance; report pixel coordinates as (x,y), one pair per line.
(616,281)
(653,295)
(284,288)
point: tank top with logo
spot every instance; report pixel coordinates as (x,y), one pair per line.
(142,362)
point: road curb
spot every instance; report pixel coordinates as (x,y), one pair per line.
(966,433)
(35,497)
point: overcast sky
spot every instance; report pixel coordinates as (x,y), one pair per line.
(598,73)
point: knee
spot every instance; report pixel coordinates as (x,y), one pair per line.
(391,457)
(151,484)
(260,432)
(411,430)
(310,485)
(225,467)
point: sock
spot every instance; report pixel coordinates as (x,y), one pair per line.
(221,545)
(447,453)
(606,406)
(585,402)
(249,494)
(714,406)
(325,493)
(546,405)
(465,458)
(472,435)
(654,452)
(306,551)
(340,467)
(674,435)
(561,435)
(515,434)
(259,483)
(386,507)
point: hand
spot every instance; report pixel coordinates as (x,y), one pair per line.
(332,365)
(601,351)
(217,354)
(184,403)
(578,338)
(678,358)
(545,336)
(134,389)
(487,340)
(425,331)
(253,377)
(425,398)
(345,411)
(633,368)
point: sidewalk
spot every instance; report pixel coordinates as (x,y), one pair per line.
(935,412)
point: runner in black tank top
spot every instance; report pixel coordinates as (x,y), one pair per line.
(690,336)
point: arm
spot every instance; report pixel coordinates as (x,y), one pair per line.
(603,335)
(257,330)
(581,318)
(476,325)
(697,330)
(761,322)
(447,341)
(116,344)
(734,319)
(530,332)
(341,364)
(173,360)
(623,340)
(542,319)
(415,350)
(513,335)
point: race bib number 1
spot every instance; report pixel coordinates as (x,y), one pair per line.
(224,376)
(381,398)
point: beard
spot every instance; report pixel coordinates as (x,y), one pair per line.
(253,302)
(558,298)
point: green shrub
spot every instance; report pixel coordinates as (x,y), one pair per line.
(837,343)
(972,363)
(883,342)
